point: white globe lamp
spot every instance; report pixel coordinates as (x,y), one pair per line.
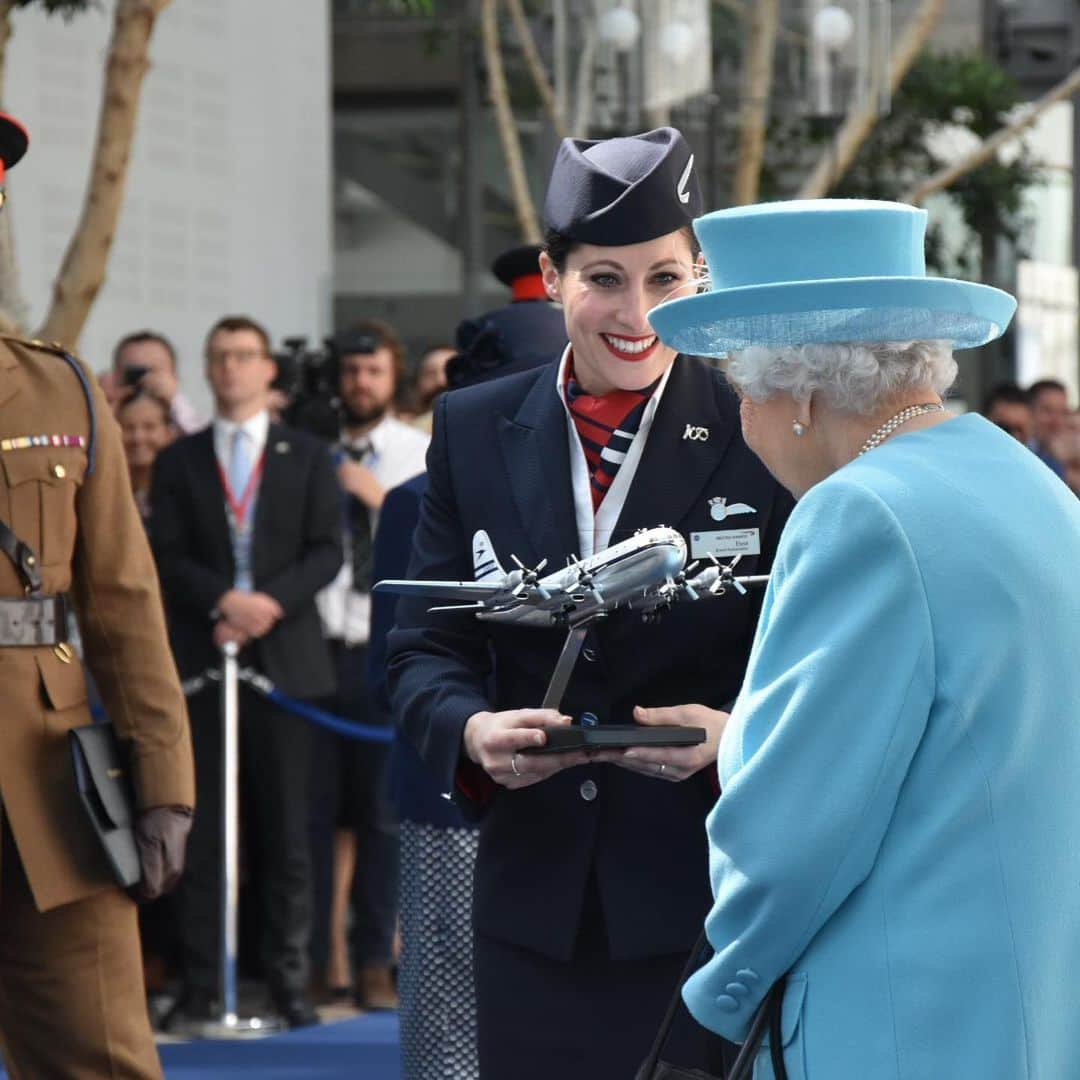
(677,41)
(833,27)
(620,28)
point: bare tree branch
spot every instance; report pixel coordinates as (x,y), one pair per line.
(504,117)
(838,156)
(583,83)
(982,153)
(754,104)
(6,8)
(745,12)
(536,67)
(82,272)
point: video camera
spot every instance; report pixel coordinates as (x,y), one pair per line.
(309,379)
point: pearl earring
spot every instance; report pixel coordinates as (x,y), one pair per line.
(797,429)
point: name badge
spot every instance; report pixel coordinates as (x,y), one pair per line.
(725,543)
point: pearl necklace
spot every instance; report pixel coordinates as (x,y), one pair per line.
(902,417)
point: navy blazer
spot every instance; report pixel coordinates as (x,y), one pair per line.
(296,550)
(499,460)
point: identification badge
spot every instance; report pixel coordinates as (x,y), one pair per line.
(725,543)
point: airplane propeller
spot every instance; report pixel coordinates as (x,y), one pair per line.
(681,582)
(585,581)
(730,578)
(717,577)
(529,579)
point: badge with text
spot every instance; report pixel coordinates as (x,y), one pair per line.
(725,543)
(695,433)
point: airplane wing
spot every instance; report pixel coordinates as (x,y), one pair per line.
(472,591)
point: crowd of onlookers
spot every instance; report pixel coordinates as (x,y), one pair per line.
(1040,418)
(350,868)
(385,421)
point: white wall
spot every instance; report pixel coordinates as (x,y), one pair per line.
(228,197)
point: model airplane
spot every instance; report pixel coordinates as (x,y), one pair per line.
(646,573)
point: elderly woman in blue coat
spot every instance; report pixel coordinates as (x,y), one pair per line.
(900,794)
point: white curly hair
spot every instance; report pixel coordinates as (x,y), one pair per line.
(857,376)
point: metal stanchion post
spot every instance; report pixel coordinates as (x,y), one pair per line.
(230,1025)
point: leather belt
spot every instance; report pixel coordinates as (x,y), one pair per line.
(33,620)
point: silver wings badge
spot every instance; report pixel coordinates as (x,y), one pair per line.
(719,508)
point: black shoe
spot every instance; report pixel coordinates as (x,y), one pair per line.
(193,1008)
(295,1008)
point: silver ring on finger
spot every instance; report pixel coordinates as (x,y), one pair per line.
(660,768)
(513,765)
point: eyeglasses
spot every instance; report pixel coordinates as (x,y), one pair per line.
(244,356)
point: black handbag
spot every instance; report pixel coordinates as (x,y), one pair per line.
(767,1017)
(104,786)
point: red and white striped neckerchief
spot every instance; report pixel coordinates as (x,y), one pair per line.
(606,426)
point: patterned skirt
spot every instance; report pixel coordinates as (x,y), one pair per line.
(435,975)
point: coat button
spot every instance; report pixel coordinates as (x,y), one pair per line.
(589,654)
(727,1003)
(588,719)
(588,790)
(59,472)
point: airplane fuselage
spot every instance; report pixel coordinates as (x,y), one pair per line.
(624,575)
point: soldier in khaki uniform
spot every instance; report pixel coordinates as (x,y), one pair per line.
(72,1003)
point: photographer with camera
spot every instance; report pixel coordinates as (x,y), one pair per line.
(145,362)
(351,812)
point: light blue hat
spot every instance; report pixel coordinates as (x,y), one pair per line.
(824,270)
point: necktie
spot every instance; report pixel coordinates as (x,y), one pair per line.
(239,477)
(360,529)
(239,463)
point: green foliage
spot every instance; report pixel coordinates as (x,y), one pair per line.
(408,7)
(964,90)
(967,91)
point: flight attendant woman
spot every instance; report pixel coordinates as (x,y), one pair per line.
(591,878)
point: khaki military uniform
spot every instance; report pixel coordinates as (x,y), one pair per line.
(71,992)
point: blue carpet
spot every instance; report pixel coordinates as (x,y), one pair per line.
(366,1046)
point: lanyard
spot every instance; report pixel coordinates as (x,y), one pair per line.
(238,509)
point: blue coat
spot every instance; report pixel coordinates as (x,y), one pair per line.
(900,775)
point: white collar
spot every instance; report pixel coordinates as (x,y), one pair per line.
(376,438)
(256,428)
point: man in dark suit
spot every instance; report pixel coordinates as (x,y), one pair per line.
(591,878)
(246,530)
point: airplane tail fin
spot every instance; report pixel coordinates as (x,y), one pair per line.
(486,565)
